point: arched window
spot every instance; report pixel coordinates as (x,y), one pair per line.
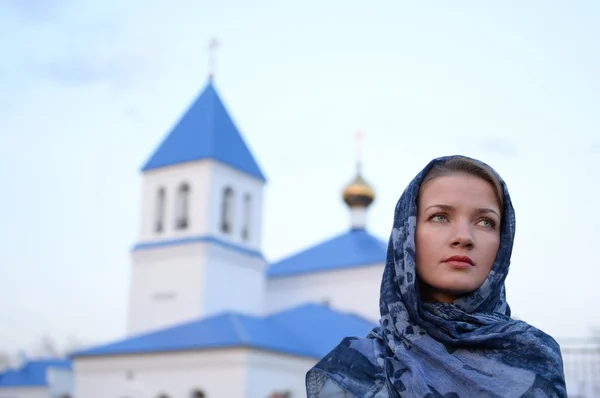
(159,210)
(227,207)
(281,394)
(197,394)
(182,208)
(247,217)
(129,374)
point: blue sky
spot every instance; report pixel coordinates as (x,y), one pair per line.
(90,88)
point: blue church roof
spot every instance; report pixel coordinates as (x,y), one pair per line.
(354,248)
(32,374)
(309,330)
(205,131)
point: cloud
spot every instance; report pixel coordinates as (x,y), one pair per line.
(119,70)
(89,51)
(595,148)
(71,43)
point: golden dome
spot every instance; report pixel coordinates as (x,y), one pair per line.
(358,193)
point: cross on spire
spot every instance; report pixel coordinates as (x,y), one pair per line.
(358,137)
(212,49)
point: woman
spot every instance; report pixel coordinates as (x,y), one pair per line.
(445,327)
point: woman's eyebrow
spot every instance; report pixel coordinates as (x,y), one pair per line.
(481,210)
(485,210)
(443,207)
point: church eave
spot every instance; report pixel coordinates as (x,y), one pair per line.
(157,244)
(151,166)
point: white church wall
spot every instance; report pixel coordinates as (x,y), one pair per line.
(353,290)
(171,285)
(223,176)
(207,180)
(234,282)
(231,373)
(197,175)
(219,373)
(166,286)
(25,392)
(270,372)
(60,382)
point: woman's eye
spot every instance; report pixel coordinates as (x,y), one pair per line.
(487,223)
(439,218)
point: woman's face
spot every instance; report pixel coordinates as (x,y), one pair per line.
(457,236)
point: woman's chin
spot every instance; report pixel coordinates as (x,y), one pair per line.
(449,292)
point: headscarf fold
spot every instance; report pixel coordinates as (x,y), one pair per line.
(470,348)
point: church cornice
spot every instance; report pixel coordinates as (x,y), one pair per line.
(142,246)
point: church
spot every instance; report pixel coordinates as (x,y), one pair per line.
(208,315)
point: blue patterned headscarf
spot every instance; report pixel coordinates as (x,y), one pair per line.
(471,348)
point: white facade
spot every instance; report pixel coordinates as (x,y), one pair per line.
(231,373)
(269,373)
(197,219)
(207,181)
(353,290)
(581,360)
(25,392)
(358,217)
(60,382)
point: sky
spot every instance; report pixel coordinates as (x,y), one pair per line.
(88,89)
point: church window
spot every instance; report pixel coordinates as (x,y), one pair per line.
(159,214)
(227,210)
(198,394)
(247,217)
(182,207)
(281,394)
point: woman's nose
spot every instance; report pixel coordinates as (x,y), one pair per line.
(462,236)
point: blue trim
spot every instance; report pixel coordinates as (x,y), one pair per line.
(334,268)
(32,373)
(196,239)
(354,248)
(291,331)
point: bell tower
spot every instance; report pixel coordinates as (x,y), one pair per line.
(200,223)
